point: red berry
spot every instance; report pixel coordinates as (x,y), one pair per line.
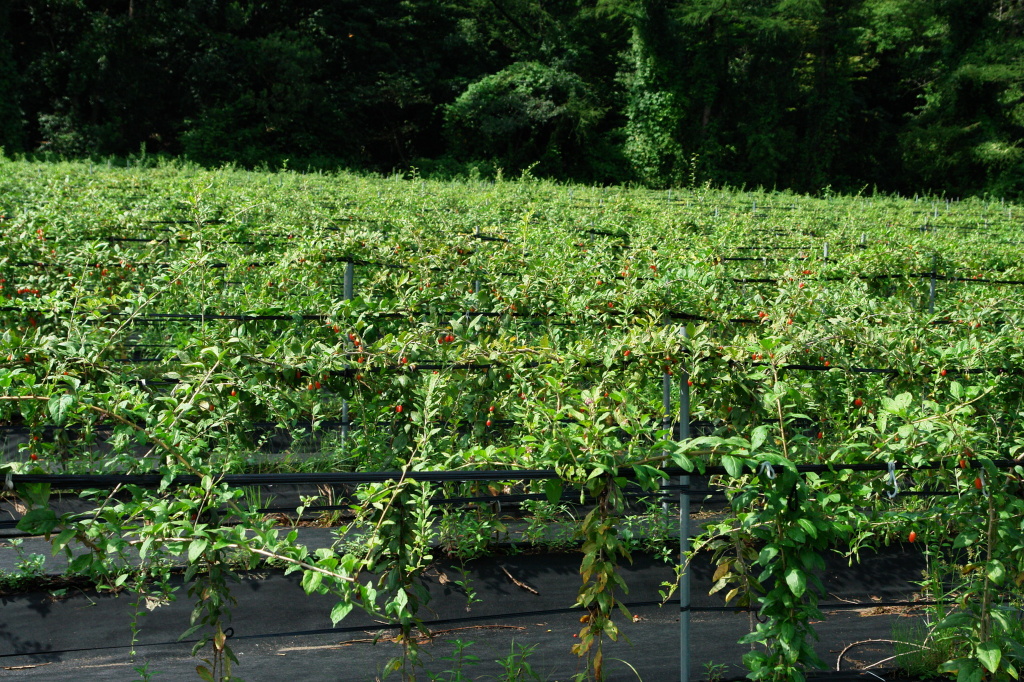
(317,385)
(689,382)
(626,352)
(491,408)
(488,422)
(33,457)
(942,373)
(310,387)
(233,393)
(963,463)
(858,402)
(211,407)
(912,536)
(821,434)
(449,338)
(405,361)
(978,483)
(398,408)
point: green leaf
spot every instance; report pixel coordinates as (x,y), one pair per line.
(311,580)
(733,465)
(35,494)
(58,407)
(808,526)
(956,390)
(768,552)
(989,655)
(62,539)
(996,572)
(196,549)
(340,610)
(38,522)
(757,437)
(797,581)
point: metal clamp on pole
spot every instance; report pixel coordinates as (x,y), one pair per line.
(892,481)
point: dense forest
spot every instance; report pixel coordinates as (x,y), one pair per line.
(852,95)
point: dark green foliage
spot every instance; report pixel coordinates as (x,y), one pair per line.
(527,113)
(902,95)
(10,86)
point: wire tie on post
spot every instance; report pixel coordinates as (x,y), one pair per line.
(9,481)
(892,481)
(767,469)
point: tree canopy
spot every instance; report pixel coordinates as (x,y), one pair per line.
(899,95)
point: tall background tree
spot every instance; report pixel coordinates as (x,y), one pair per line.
(902,95)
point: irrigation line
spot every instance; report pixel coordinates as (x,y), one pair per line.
(81,481)
(402,314)
(419,367)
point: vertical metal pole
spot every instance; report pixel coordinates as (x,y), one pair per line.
(666,415)
(344,424)
(684,531)
(931,290)
(348,280)
(349,277)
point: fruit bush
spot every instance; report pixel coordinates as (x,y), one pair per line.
(178,321)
